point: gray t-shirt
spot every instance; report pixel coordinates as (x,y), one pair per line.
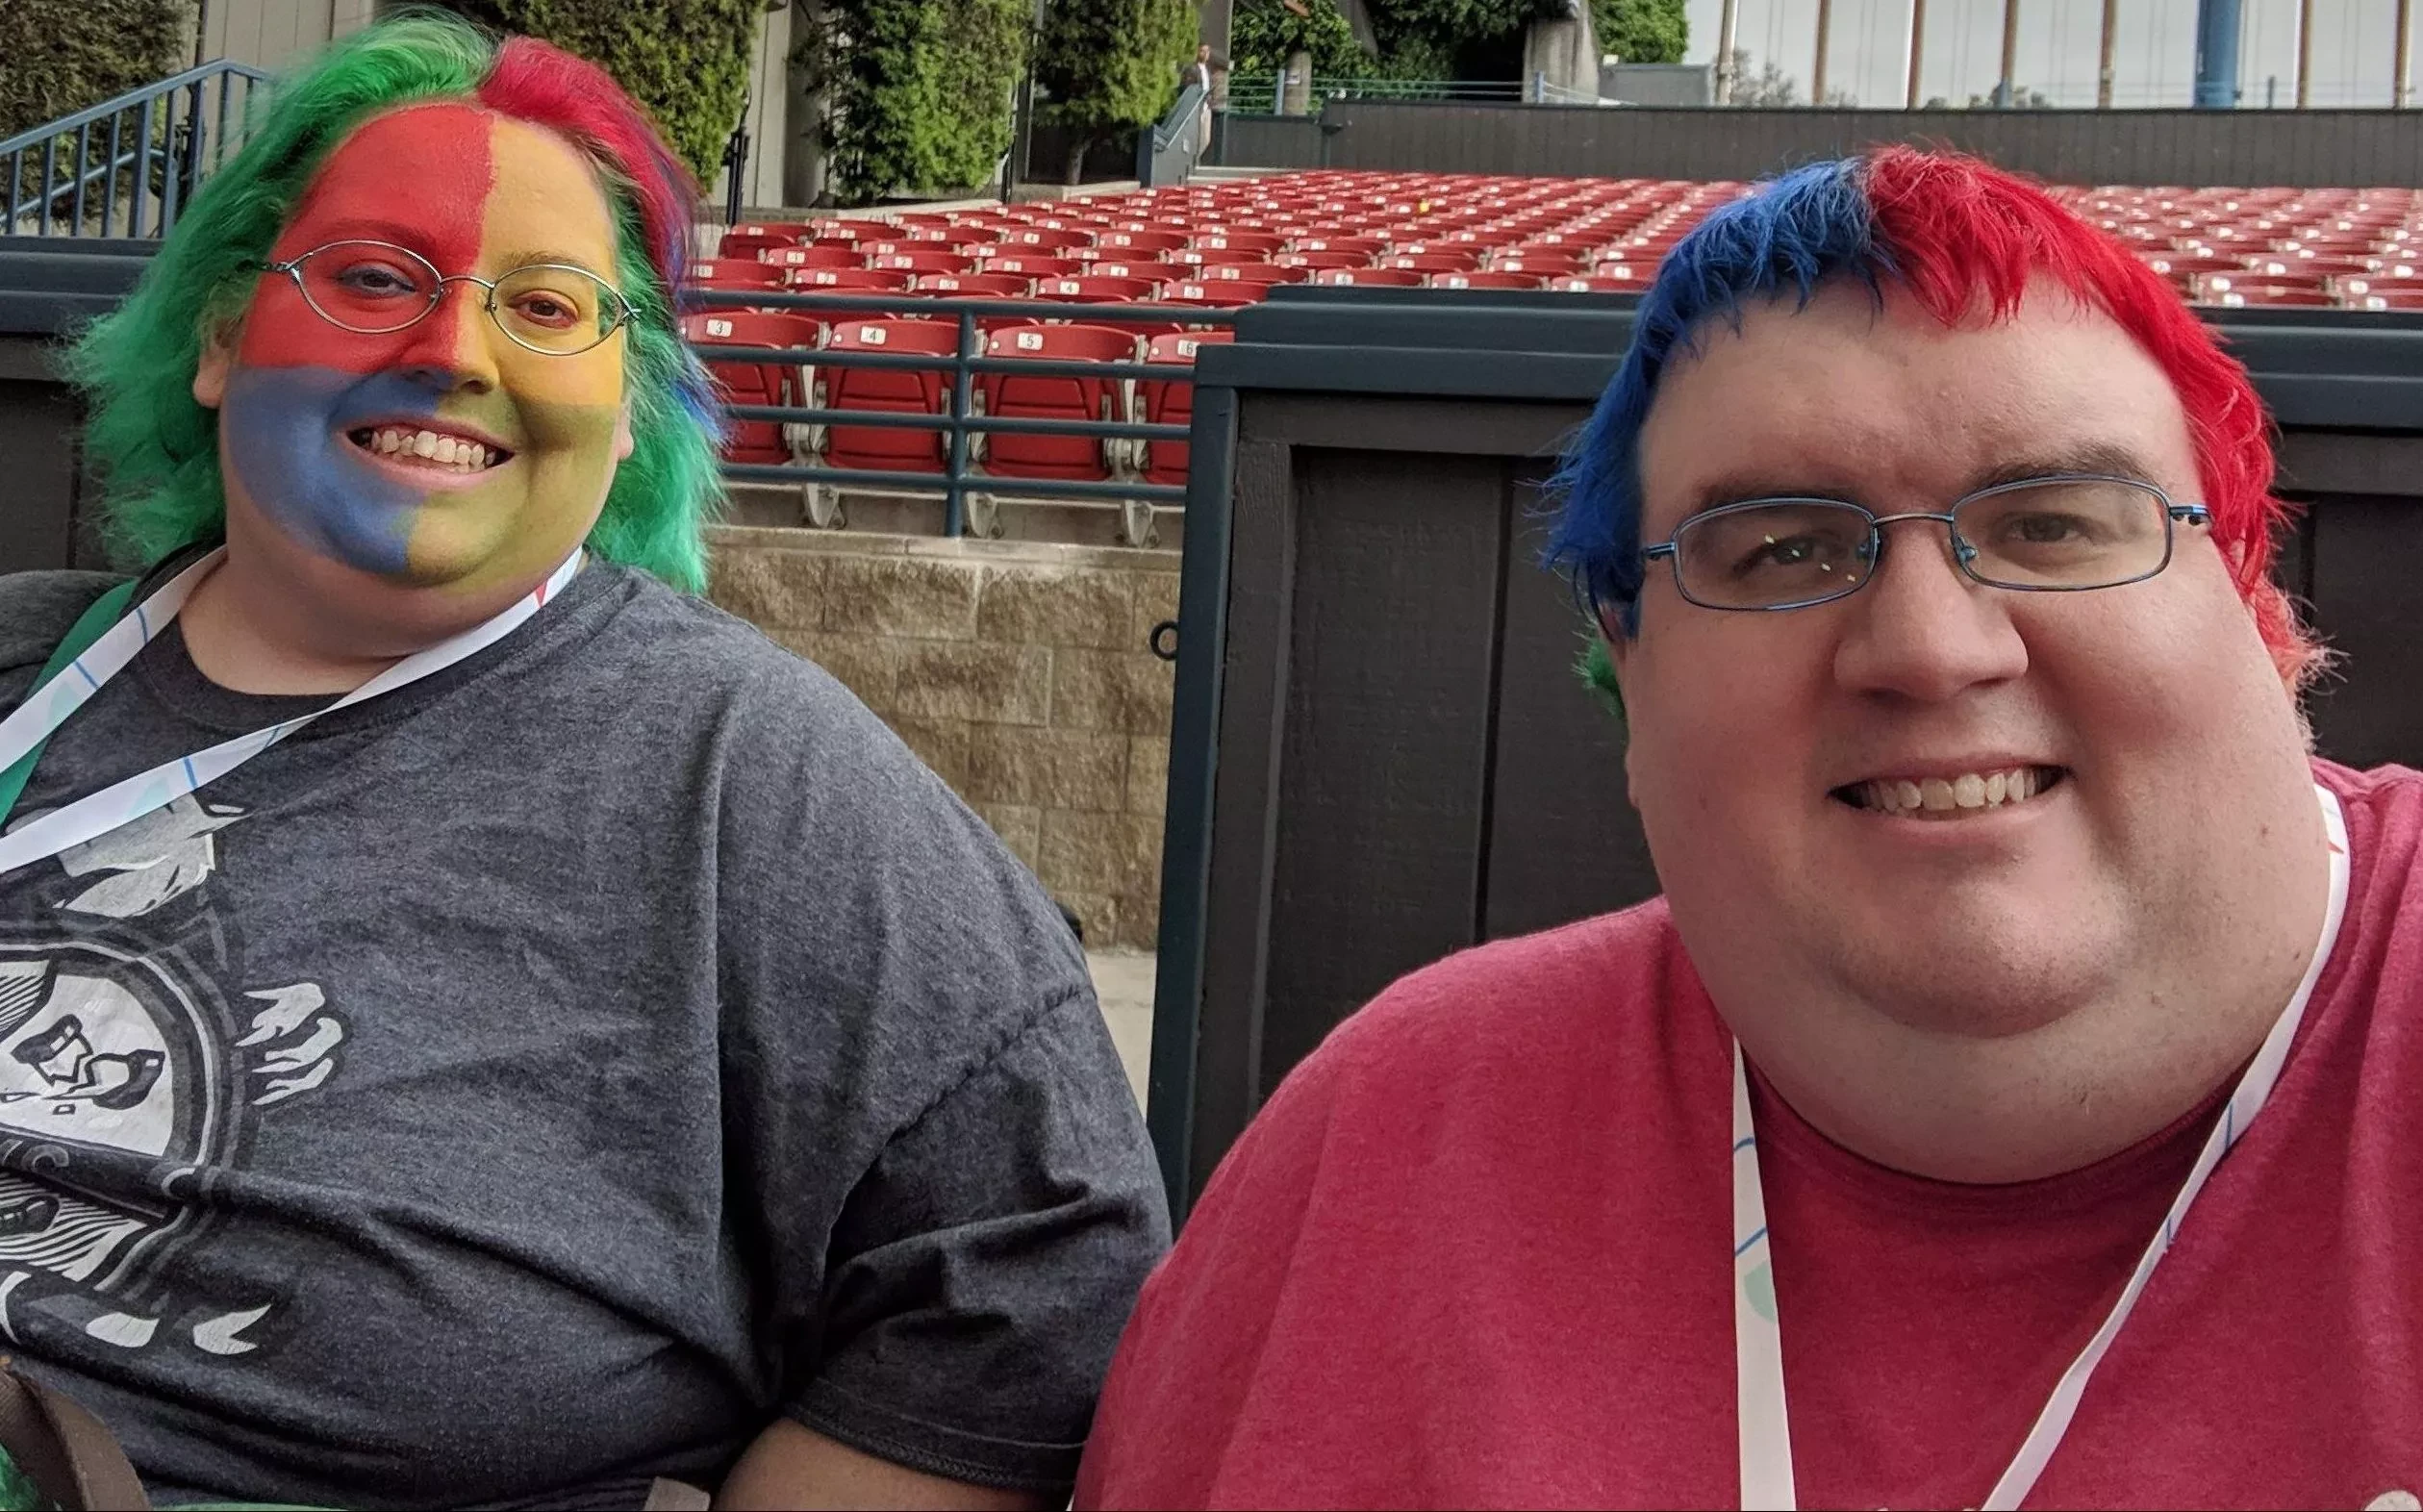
(539,1079)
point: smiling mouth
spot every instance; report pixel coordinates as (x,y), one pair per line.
(437,450)
(1967,795)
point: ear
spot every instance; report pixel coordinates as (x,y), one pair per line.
(622,442)
(210,374)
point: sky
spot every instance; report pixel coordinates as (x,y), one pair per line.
(2059,44)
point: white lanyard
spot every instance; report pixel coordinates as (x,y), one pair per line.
(32,722)
(1766,1440)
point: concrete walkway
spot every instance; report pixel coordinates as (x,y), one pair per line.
(1123,979)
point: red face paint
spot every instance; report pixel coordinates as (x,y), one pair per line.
(419,178)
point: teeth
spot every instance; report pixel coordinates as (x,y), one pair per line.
(446,451)
(1939,796)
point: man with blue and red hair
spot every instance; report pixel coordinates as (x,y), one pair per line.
(2006,1101)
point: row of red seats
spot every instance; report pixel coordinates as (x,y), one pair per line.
(1153,401)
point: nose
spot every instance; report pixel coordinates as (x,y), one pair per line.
(1923,629)
(450,349)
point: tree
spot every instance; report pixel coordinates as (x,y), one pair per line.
(1264,34)
(1769,86)
(1642,30)
(1111,65)
(687,61)
(2021,99)
(918,92)
(1455,39)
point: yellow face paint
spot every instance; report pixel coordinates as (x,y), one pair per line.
(562,416)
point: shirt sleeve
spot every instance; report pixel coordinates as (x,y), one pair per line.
(982,1269)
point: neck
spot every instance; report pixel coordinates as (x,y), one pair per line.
(251,633)
(2098,1080)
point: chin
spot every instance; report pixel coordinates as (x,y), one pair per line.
(1983,984)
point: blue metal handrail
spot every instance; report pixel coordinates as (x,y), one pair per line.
(1168,150)
(180,132)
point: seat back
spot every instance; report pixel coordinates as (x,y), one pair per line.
(755,383)
(924,391)
(1083,458)
(826,253)
(1171,401)
(740,245)
(718,272)
(852,280)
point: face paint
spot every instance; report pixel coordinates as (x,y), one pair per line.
(312,412)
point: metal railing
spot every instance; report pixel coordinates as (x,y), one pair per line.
(1254,88)
(1168,150)
(958,482)
(125,167)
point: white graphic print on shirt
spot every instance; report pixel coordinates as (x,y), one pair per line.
(118,1045)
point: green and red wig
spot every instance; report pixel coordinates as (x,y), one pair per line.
(157,451)
(1964,240)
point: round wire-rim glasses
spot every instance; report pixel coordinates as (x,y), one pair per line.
(1766,555)
(592,309)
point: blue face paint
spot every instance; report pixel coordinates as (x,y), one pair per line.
(283,434)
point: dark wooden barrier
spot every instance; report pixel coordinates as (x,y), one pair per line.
(2352,148)
(1383,752)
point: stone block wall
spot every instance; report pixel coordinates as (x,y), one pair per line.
(1019,671)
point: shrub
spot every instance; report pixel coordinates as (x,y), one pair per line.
(64,55)
(1112,65)
(687,61)
(1642,30)
(1262,37)
(920,93)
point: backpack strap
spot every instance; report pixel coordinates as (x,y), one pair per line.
(64,1449)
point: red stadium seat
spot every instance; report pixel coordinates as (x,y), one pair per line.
(975,285)
(1230,296)
(735,245)
(1142,243)
(1046,240)
(924,391)
(1319,262)
(1030,265)
(1261,244)
(755,383)
(1435,262)
(1487,279)
(788,230)
(1171,401)
(1069,457)
(2392,299)
(1370,277)
(924,260)
(830,254)
(839,229)
(852,280)
(1094,290)
(1602,282)
(1365,247)
(1262,273)
(728,273)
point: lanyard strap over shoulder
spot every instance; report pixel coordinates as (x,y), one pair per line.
(23,733)
(89,626)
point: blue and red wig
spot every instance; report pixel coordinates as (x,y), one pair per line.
(1964,239)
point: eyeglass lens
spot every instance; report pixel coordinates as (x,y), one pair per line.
(2065,533)
(373,287)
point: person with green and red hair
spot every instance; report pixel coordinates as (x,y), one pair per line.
(477,1023)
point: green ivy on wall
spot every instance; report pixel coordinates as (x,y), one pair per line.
(1465,40)
(687,61)
(920,93)
(56,57)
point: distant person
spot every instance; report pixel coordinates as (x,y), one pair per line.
(2009,1100)
(1210,74)
(478,1024)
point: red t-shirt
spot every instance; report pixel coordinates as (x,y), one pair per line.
(1477,1251)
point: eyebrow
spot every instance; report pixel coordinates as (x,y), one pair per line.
(2106,459)
(516,260)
